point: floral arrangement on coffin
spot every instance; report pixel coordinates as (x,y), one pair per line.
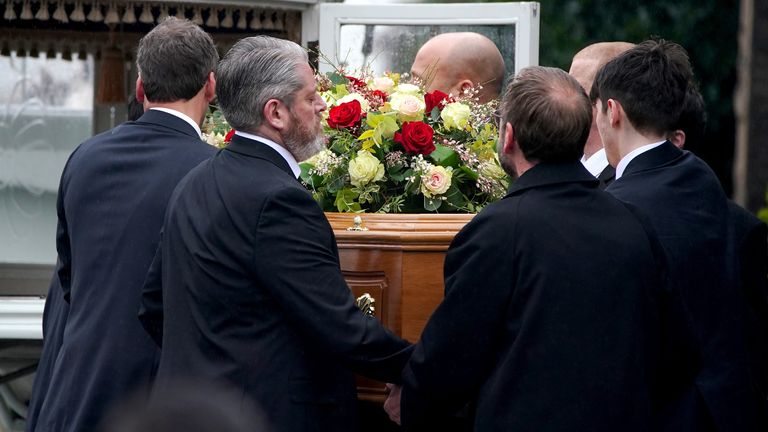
(394,148)
(216,131)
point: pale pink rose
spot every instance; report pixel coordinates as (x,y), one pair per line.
(407,105)
(383,83)
(436,182)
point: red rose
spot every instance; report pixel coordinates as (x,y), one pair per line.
(345,115)
(229,135)
(378,94)
(434,99)
(416,137)
(356,83)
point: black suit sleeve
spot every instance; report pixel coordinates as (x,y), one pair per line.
(151,308)
(461,340)
(295,258)
(64,259)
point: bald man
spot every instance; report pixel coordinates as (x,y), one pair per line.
(456,62)
(584,67)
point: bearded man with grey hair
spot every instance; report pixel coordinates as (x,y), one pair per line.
(248,269)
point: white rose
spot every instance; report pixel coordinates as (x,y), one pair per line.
(385,84)
(214,139)
(365,168)
(354,96)
(408,89)
(436,181)
(455,115)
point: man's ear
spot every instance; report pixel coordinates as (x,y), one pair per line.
(615,112)
(464,85)
(677,138)
(509,139)
(139,90)
(210,87)
(276,114)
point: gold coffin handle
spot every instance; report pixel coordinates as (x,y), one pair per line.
(365,303)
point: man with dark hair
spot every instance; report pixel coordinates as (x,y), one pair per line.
(705,383)
(246,288)
(112,198)
(584,66)
(457,62)
(748,237)
(540,329)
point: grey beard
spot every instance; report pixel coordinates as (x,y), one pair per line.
(303,151)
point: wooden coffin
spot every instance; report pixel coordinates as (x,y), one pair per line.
(397,259)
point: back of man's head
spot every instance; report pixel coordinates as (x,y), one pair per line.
(692,121)
(584,67)
(450,58)
(550,114)
(255,70)
(649,81)
(175,60)
(591,58)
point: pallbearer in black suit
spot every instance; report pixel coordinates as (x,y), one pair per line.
(748,239)
(706,378)
(549,320)
(584,66)
(111,202)
(246,289)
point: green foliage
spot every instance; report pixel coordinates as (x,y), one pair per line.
(763,212)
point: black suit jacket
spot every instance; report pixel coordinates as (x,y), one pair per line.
(550,316)
(606,176)
(253,296)
(749,237)
(112,198)
(707,386)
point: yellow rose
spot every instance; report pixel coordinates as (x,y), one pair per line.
(410,107)
(354,96)
(436,181)
(365,168)
(385,84)
(455,115)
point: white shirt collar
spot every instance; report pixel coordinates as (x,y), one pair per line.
(182,116)
(633,154)
(278,148)
(596,163)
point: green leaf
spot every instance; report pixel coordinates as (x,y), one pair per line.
(398,174)
(337,78)
(384,126)
(365,135)
(763,214)
(455,198)
(435,114)
(445,156)
(341,91)
(432,204)
(345,201)
(471,174)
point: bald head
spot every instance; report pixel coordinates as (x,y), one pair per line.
(454,62)
(584,67)
(589,60)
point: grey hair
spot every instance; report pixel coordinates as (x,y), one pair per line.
(255,70)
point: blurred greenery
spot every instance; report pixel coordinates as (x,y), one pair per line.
(708,29)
